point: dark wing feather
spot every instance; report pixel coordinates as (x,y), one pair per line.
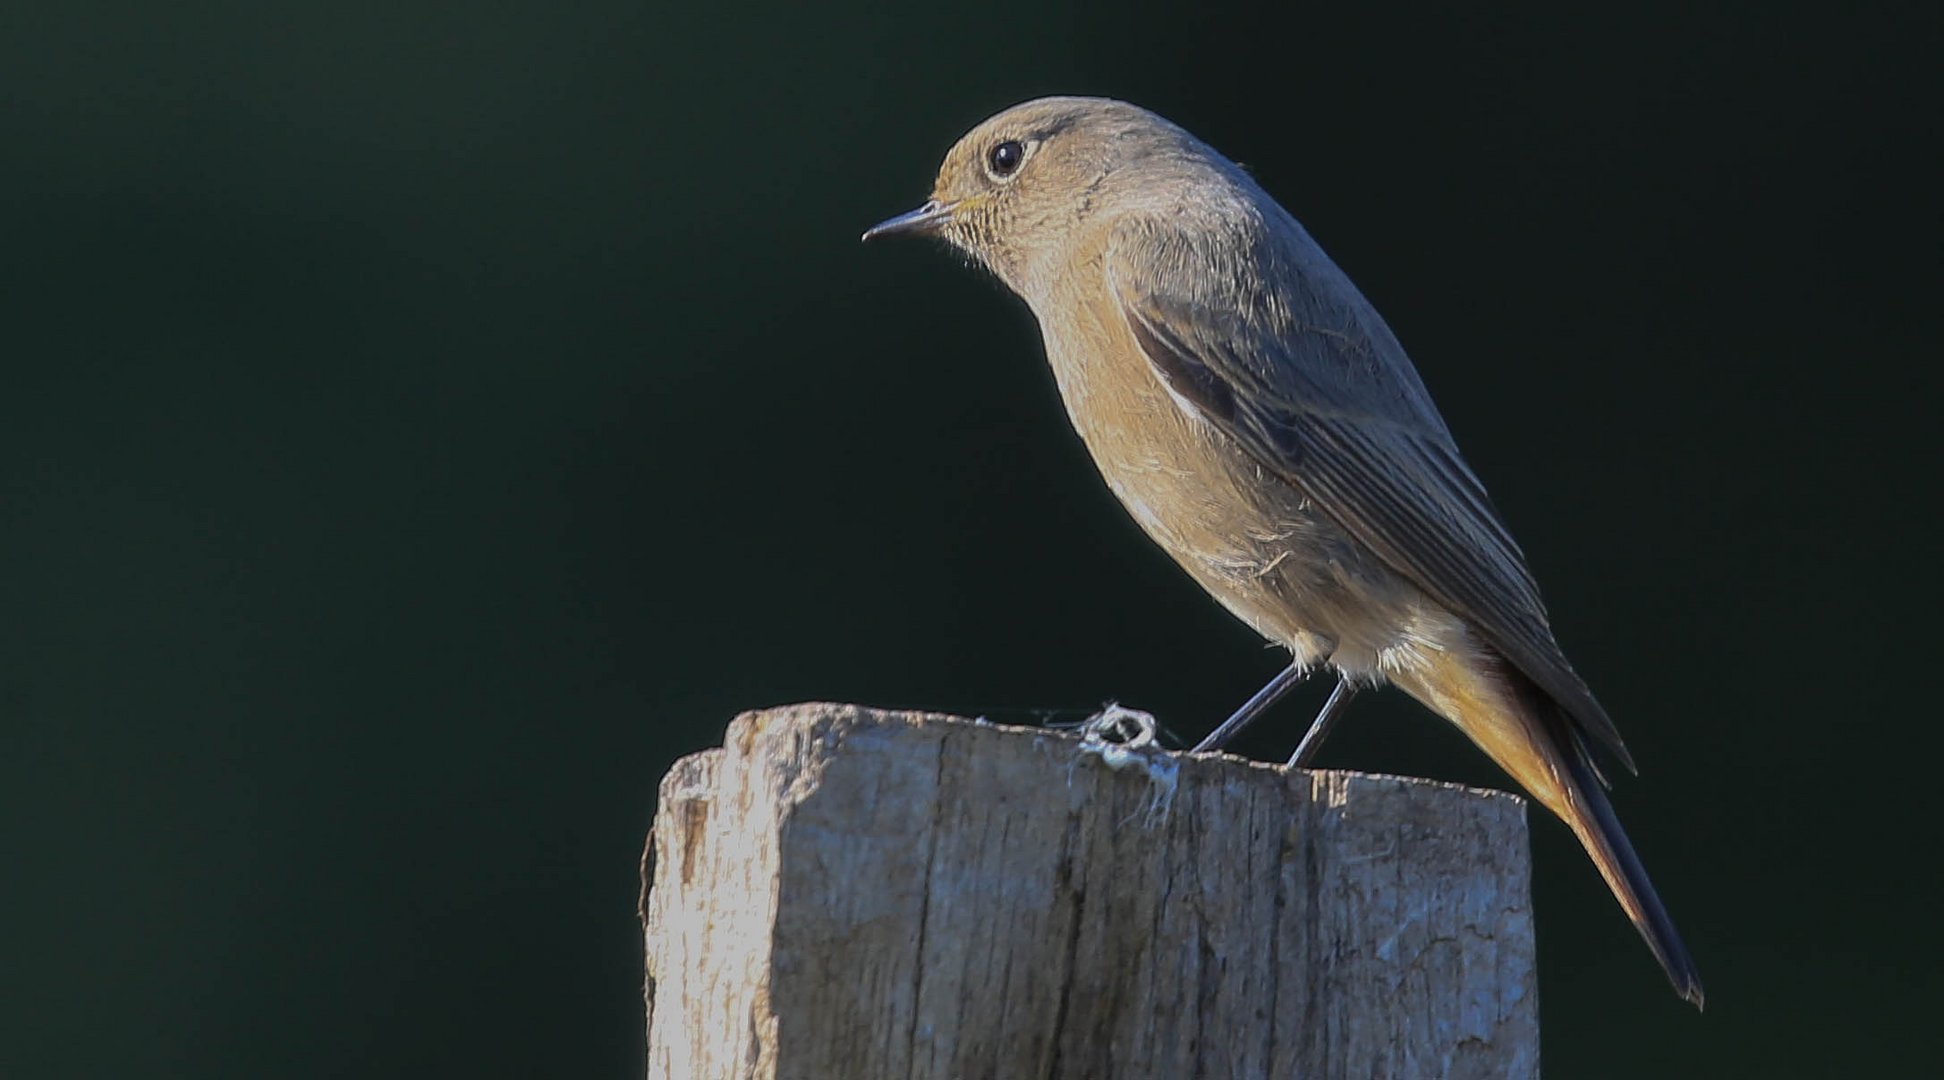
(1304,375)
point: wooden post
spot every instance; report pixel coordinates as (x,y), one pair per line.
(846,894)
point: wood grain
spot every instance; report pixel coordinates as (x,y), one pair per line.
(841,892)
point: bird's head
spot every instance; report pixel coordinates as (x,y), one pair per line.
(1018,191)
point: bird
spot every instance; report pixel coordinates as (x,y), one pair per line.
(1261,423)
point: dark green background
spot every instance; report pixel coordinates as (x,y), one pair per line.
(419,426)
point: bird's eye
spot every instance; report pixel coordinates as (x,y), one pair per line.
(1004,159)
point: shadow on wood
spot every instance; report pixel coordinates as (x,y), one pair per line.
(846,893)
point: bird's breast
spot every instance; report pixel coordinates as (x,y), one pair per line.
(1246,534)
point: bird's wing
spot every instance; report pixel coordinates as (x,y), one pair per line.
(1296,366)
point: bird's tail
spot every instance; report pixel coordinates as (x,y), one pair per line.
(1530,737)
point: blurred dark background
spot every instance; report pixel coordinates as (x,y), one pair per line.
(419,426)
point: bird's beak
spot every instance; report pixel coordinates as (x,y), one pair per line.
(928,218)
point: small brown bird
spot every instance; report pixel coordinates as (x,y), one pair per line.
(1252,411)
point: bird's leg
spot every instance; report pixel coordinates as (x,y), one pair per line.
(1319,728)
(1285,681)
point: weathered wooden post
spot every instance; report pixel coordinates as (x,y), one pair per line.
(846,894)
